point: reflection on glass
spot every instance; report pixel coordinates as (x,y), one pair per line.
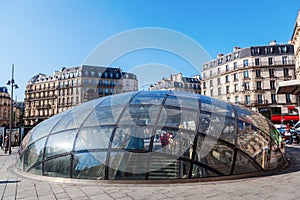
(244,164)
(71,120)
(127,165)
(276,159)
(93,138)
(89,165)
(132,137)
(43,129)
(220,157)
(34,153)
(58,167)
(173,142)
(103,116)
(60,143)
(37,170)
(140,115)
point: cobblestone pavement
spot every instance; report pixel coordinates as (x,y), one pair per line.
(284,185)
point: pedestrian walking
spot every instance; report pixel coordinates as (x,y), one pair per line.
(6,143)
(1,141)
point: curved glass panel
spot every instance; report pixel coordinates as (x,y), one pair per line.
(71,120)
(60,143)
(244,164)
(103,116)
(34,153)
(214,153)
(89,165)
(132,137)
(174,142)
(58,167)
(140,115)
(43,129)
(93,138)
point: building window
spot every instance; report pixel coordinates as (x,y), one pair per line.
(235,65)
(219,81)
(227,90)
(247,99)
(219,71)
(235,76)
(204,93)
(204,84)
(236,55)
(204,76)
(210,83)
(270,61)
(259,98)
(245,62)
(227,68)
(273,98)
(247,86)
(246,74)
(228,58)
(257,72)
(106,91)
(220,61)
(272,85)
(285,72)
(258,85)
(270,50)
(256,61)
(112,83)
(284,60)
(227,78)
(255,51)
(236,99)
(288,98)
(236,88)
(211,93)
(210,73)
(271,72)
(219,91)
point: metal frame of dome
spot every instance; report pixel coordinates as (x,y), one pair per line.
(149,135)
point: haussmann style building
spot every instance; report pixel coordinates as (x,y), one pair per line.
(293,86)
(177,82)
(47,95)
(4,107)
(250,76)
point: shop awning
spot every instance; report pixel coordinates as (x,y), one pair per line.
(285,118)
(289,87)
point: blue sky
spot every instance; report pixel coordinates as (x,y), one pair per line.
(44,36)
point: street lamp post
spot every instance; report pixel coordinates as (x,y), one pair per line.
(13,85)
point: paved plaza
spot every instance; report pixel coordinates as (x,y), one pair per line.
(283,185)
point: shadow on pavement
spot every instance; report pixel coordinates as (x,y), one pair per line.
(5,182)
(293,158)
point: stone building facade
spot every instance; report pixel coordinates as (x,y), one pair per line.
(177,82)
(249,76)
(4,107)
(47,95)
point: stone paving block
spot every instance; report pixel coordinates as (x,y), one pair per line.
(100,197)
(47,197)
(91,190)
(61,195)
(74,192)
